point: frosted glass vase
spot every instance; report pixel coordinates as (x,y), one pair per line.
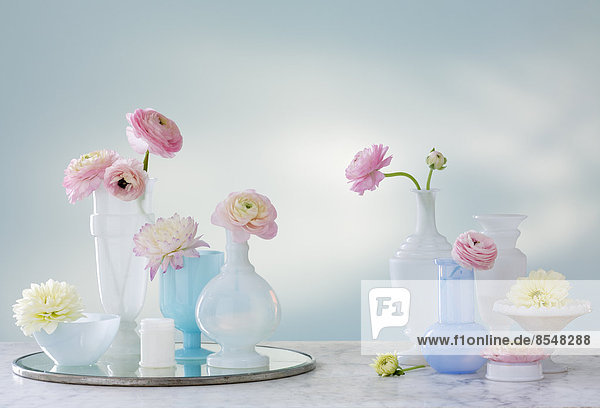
(122,279)
(456,316)
(179,291)
(414,260)
(510,264)
(238,309)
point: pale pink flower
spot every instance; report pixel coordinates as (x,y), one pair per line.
(364,172)
(84,175)
(167,242)
(153,131)
(514,354)
(125,179)
(475,250)
(245,213)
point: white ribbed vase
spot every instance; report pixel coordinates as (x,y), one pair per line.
(122,279)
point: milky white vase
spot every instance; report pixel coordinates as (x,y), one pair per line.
(237,309)
(544,319)
(414,260)
(510,264)
(122,279)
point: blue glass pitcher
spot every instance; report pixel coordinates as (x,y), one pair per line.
(456,317)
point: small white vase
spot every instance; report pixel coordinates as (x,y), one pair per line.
(237,309)
(414,261)
(122,279)
(510,264)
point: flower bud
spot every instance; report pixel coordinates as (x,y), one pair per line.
(385,364)
(435,160)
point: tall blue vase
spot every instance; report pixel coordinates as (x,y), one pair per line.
(179,290)
(456,316)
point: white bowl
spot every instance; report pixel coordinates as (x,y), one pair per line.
(81,342)
(543,318)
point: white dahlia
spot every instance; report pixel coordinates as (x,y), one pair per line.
(167,242)
(45,305)
(540,289)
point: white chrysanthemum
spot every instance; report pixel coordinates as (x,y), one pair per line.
(540,289)
(44,306)
(167,242)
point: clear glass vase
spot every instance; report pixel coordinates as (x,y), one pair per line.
(456,316)
(238,309)
(510,264)
(413,261)
(179,291)
(122,279)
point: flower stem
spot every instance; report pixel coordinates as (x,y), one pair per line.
(146,160)
(401,173)
(429,179)
(413,368)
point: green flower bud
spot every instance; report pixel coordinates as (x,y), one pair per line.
(385,364)
(435,160)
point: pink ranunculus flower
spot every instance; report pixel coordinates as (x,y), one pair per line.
(84,175)
(245,213)
(153,131)
(126,179)
(475,250)
(364,172)
(167,241)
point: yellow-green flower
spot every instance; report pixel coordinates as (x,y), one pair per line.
(540,289)
(45,305)
(385,364)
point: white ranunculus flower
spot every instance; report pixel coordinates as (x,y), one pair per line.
(540,289)
(45,305)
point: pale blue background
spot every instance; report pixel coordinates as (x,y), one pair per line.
(279,96)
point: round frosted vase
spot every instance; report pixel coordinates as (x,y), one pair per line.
(122,278)
(510,264)
(414,261)
(238,309)
(179,291)
(456,310)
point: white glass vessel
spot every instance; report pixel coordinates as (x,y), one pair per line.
(237,309)
(552,319)
(414,260)
(122,279)
(81,342)
(510,264)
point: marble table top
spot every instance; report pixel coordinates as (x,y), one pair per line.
(342,378)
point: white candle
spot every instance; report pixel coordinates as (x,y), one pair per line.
(157,343)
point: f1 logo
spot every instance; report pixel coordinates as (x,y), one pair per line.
(388,307)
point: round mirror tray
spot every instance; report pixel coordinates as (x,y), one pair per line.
(127,372)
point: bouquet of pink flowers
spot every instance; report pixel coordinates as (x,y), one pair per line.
(149,132)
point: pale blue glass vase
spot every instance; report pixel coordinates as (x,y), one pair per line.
(456,317)
(179,291)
